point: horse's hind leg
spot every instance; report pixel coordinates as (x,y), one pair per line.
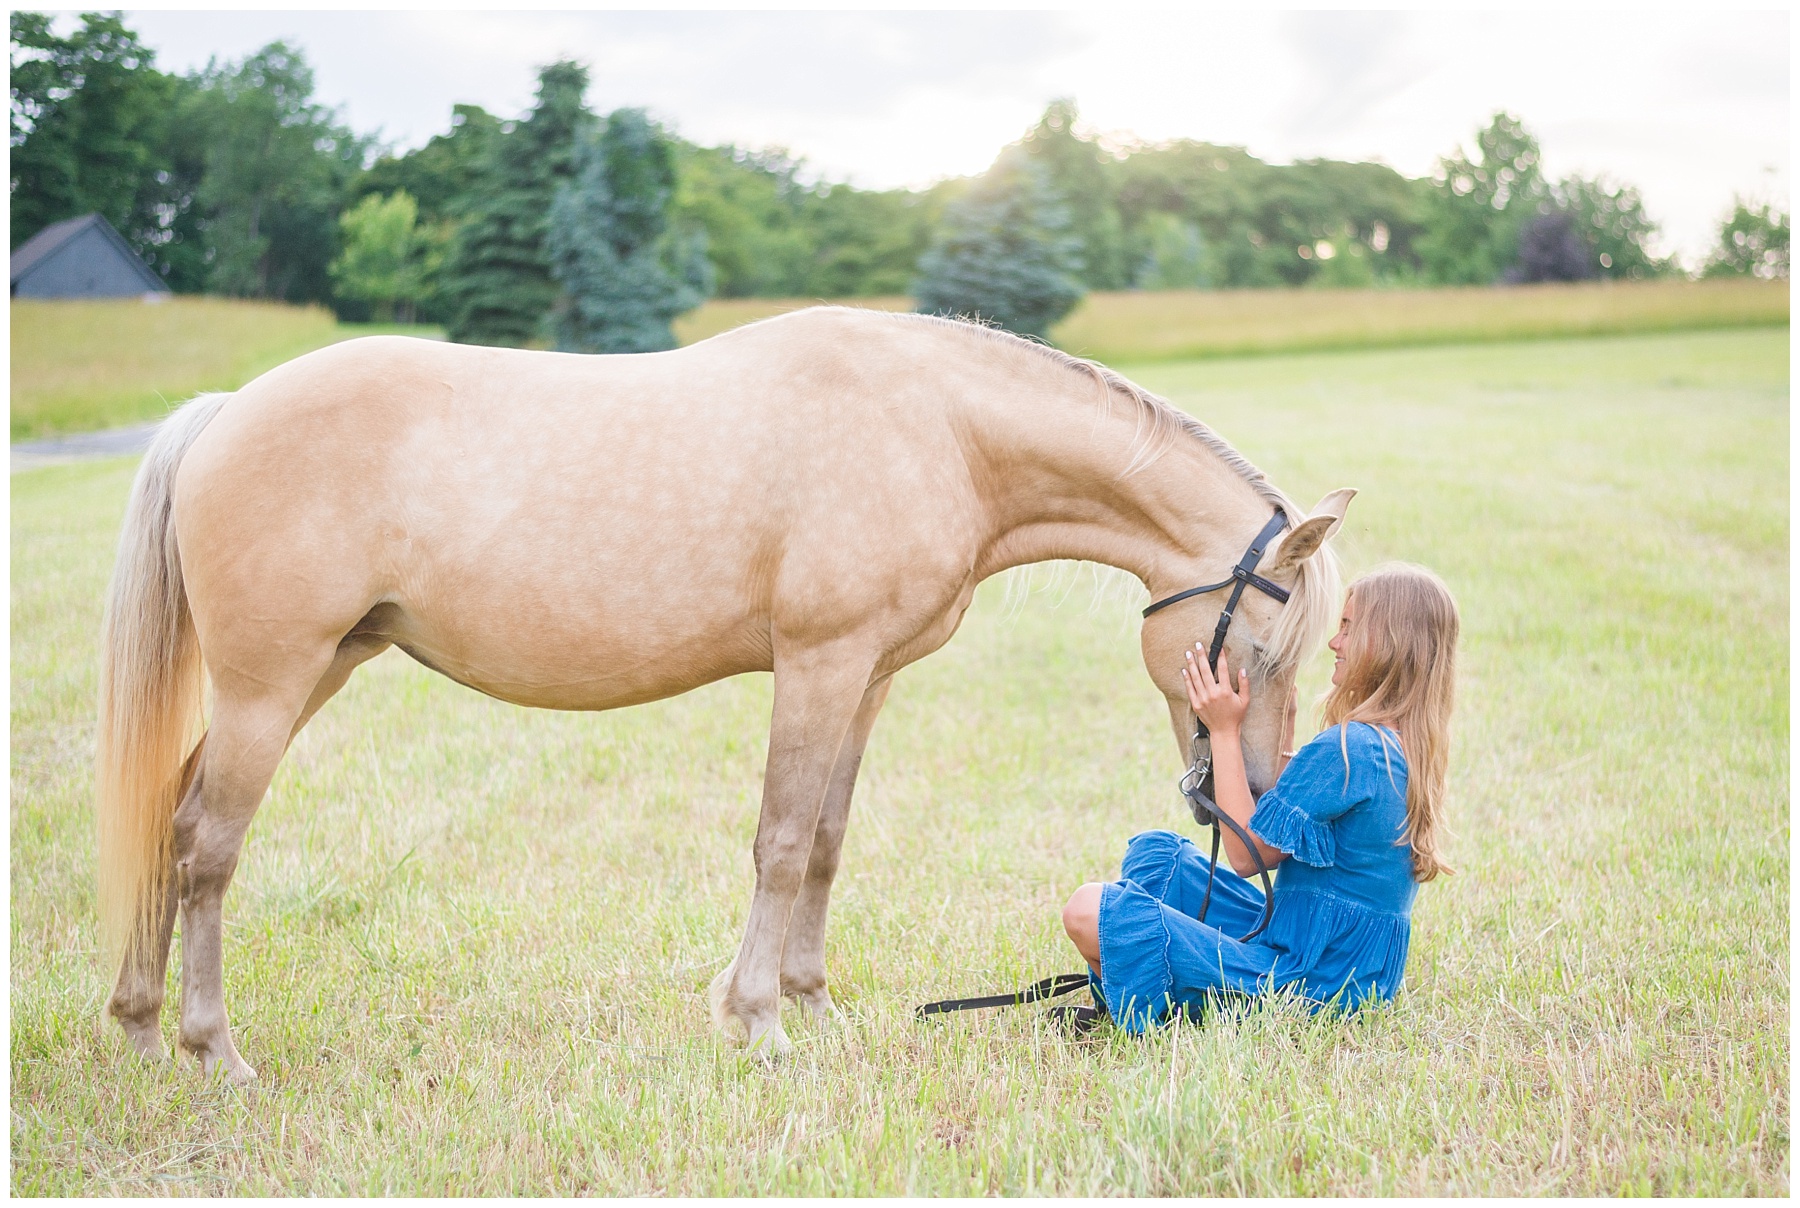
(253,720)
(803,954)
(352,653)
(137,997)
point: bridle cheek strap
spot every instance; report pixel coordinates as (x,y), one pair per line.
(1242,575)
(1197,783)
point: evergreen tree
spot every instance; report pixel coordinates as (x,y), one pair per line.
(1004,253)
(625,274)
(1077,170)
(496,282)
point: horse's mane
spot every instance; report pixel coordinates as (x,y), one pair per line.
(1313,603)
(1163,419)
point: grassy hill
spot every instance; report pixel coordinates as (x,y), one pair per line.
(77,366)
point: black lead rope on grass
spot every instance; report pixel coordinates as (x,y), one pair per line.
(1050,987)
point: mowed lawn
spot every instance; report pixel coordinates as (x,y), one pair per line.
(468,945)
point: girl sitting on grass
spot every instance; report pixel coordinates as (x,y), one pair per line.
(1358,810)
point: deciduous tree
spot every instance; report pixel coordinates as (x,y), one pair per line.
(1076,169)
(89,125)
(1753,242)
(1478,205)
(276,166)
(387,260)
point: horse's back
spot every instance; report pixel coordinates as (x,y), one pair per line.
(531,515)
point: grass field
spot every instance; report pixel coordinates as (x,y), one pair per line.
(78,366)
(1189,323)
(1176,324)
(468,944)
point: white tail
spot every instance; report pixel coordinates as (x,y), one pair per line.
(150,693)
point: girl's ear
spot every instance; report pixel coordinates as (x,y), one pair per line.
(1313,532)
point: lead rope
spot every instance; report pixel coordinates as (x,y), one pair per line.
(1206,812)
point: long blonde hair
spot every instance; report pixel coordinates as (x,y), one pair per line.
(1400,672)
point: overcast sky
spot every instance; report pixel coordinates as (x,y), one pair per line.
(1689,107)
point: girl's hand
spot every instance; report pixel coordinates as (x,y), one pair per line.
(1215,701)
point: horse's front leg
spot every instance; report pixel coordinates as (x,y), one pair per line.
(803,955)
(816,696)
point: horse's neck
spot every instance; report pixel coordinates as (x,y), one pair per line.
(1056,487)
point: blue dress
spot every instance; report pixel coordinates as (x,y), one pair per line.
(1343,897)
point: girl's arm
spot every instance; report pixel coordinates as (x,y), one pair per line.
(1222,708)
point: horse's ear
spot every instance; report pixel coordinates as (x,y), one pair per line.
(1312,532)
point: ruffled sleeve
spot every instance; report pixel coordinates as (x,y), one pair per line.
(1315,789)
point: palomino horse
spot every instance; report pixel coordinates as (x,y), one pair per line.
(815,495)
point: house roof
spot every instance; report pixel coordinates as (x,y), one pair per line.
(47,242)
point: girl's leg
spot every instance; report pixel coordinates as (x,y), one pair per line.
(1081,919)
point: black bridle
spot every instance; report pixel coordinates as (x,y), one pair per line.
(1196,782)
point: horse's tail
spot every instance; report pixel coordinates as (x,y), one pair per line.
(147,745)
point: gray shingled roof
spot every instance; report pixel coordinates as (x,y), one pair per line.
(41,246)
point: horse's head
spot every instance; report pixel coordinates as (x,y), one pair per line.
(1267,637)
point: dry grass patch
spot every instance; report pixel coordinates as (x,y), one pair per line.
(1175,324)
(1190,323)
(78,366)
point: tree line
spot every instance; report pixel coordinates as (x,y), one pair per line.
(592,231)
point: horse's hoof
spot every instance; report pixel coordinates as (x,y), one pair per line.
(818,1004)
(235,1070)
(769,1046)
(146,1041)
(758,1029)
(222,1060)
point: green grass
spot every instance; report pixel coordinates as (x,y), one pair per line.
(468,944)
(78,366)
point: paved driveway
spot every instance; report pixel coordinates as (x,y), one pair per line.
(113,442)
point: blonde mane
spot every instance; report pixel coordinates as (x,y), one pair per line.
(1313,605)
